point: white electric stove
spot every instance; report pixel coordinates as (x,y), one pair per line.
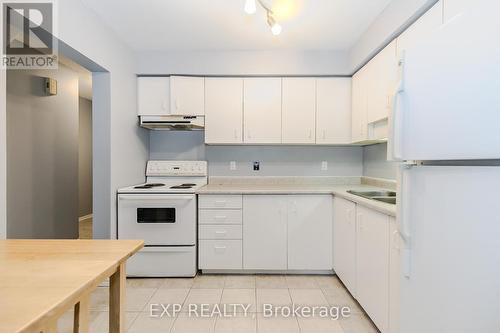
(163,212)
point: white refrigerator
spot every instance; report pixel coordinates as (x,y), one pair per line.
(445,134)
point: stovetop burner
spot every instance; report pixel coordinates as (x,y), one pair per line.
(150,185)
(182,186)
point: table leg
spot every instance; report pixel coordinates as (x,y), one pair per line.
(117,300)
(81,317)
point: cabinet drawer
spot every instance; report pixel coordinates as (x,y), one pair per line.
(222,216)
(220,254)
(220,201)
(220,232)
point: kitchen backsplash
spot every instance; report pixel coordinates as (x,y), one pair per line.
(273,160)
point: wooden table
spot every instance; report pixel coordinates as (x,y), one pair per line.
(41,279)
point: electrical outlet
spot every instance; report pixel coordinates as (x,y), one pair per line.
(232,165)
(256,166)
(324,166)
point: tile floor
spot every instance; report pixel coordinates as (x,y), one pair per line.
(254,290)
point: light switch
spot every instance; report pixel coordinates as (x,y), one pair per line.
(232,165)
(324,166)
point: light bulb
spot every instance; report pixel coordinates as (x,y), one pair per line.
(250,7)
(276,29)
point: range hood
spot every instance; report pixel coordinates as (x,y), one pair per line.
(173,123)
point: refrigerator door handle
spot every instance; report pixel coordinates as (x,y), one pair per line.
(403,218)
(394,139)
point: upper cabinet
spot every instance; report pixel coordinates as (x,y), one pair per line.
(187,95)
(153,96)
(262,110)
(359,94)
(382,80)
(373,87)
(422,28)
(299,110)
(224,110)
(333,110)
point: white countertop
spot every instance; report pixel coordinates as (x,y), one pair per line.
(339,190)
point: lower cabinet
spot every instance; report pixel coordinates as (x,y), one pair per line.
(264,232)
(309,232)
(394,270)
(275,233)
(372,265)
(219,254)
(344,242)
(366,260)
(220,232)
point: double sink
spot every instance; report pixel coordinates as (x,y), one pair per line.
(382,196)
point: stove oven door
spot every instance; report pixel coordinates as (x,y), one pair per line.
(158,219)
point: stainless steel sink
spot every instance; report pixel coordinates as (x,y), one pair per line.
(389,200)
(371,194)
(382,196)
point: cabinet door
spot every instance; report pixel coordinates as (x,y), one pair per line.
(153,96)
(224,110)
(344,242)
(262,110)
(333,110)
(394,273)
(264,232)
(359,123)
(382,80)
(187,95)
(372,269)
(310,232)
(299,110)
(422,28)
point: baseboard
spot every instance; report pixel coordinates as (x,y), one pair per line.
(86,217)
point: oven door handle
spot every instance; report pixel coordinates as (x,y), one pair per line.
(157,197)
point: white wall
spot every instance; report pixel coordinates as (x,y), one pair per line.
(388,25)
(275,160)
(116,134)
(244,63)
(375,162)
(120,146)
(42,154)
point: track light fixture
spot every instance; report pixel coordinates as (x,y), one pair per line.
(251,8)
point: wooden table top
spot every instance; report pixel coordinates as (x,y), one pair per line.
(39,278)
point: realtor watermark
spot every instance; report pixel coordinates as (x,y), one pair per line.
(159,310)
(28,33)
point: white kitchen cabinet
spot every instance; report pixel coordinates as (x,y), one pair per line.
(298,110)
(223,110)
(309,232)
(359,124)
(220,254)
(382,80)
(153,96)
(187,95)
(394,276)
(344,242)
(372,265)
(265,232)
(333,110)
(422,28)
(262,110)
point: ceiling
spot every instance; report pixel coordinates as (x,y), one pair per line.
(222,24)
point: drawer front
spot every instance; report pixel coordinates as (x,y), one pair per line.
(220,254)
(220,201)
(219,216)
(220,232)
